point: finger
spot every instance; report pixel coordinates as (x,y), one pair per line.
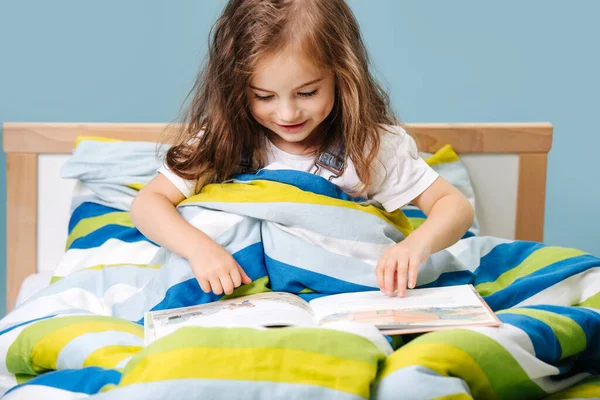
(388,276)
(413,271)
(236,278)
(226,284)
(402,277)
(204,285)
(215,284)
(379,272)
(245,278)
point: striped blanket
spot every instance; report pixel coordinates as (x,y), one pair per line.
(295,232)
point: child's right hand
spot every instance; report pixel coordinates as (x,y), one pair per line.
(216,270)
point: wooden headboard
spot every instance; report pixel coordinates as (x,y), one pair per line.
(24,142)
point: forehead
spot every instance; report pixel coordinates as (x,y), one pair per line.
(288,65)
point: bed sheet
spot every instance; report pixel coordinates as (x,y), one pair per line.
(83,335)
(33,284)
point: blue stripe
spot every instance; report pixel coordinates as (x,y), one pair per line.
(302,180)
(451,279)
(287,278)
(25,323)
(88,380)
(414,213)
(527,286)
(545,343)
(107,232)
(502,258)
(188,293)
(88,210)
(417,213)
(588,320)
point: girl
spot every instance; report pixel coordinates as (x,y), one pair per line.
(288,81)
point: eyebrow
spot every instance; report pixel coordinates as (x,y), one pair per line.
(299,87)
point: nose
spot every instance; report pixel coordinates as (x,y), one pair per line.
(288,112)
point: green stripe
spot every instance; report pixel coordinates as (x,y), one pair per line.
(322,341)
(18,356)
(535,261)
(416,222)
(89,225)
(22,378)
(505,374)
(591,302)
(569,334)
(257,286)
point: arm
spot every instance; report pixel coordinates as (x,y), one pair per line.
(449,216)
(153,212)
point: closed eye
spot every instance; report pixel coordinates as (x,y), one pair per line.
(308,94)
(263,98)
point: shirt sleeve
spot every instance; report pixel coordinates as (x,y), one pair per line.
(187,188)
(400,174)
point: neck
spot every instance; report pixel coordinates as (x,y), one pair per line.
(306,147)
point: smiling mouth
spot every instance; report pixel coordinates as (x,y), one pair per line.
(292,128)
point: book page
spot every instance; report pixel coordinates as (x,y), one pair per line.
(262,309)
(430,307)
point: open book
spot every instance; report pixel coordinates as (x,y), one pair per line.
(420,310)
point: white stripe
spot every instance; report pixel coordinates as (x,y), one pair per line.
(215,223)
(74,298)
(6,383)
(367,252)
(113,251)
(117,294)
(573,290)
(123,363)
(29,392)
(470,251)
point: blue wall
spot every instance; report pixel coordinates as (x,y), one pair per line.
(458,61)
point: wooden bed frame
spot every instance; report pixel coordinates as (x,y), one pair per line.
(23,142)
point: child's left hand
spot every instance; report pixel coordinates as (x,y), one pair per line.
(399,265)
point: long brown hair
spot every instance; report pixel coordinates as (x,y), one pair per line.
(248,31)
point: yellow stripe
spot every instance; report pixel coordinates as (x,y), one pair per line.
(444,359)
(89,225)
(535,261)
(260,191)
(444,155)
(103,266)
(457,396)
(45,353)
(136,186)
(94,139)
(258,364)
(583,390)
(110,356)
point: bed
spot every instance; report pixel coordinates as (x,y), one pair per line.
(506,164)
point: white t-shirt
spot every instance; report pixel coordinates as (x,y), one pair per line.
(398,174)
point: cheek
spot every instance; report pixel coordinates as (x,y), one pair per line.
(324,106)
(260,110)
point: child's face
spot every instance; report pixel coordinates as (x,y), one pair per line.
(290,96)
